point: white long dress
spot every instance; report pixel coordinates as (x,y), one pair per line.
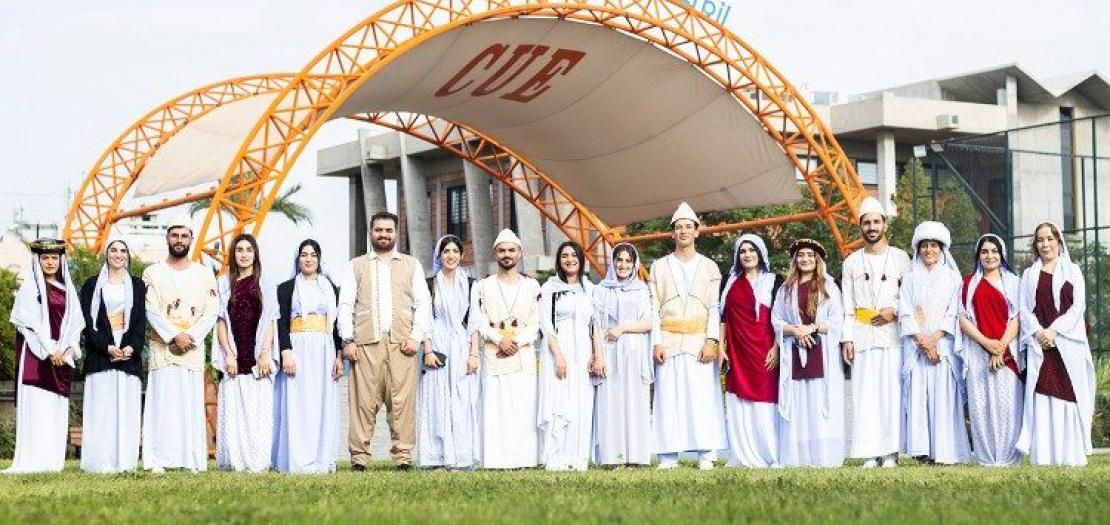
(811,425)
(566,405)
(112,408)
(448,402)
(622,405)
(305,405)
(932,395)
(245,403)
(1057,431)
(995,400)
(42,416)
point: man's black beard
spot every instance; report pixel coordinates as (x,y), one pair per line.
(878,238)
(179,255)
(506,265)
(386,248)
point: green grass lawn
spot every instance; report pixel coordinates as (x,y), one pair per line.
(909,494)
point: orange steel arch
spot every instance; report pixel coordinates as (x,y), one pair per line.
(310,99)
(96,203)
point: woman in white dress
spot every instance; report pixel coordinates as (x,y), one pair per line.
(933,429)
(449,383)
(114,306)
(566,393)
(1060,388)
(305,396)
(48,321)
(245,353)
(993,363)
(622,405)
(807,314)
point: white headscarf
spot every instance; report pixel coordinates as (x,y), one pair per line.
(633,282)
(1010,281)
(933,231)
(454,302)
(102,279)
(1060,275)
(31,311)
(764,284)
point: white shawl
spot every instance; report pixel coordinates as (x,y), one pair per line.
(268,319)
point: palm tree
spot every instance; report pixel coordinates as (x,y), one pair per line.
(284,205)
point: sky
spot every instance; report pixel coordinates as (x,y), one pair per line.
(76,73)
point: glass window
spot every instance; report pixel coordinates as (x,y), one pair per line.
(458,216)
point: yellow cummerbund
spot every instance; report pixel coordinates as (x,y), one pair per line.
(309,323)
(865,315)
(115,320)
(691,325)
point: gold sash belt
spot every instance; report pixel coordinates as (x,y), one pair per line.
(308,323)
(691,325)
(115,320)
(865,315)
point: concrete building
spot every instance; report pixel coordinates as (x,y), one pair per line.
(878,130)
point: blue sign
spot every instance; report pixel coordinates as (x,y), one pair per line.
(715,9)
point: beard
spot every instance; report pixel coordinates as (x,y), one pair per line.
(384,245)
(873,236)
(506,263)
(178,252)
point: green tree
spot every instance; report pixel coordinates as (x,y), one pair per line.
(718,247)
(9,283)
(284,205)
(954,208)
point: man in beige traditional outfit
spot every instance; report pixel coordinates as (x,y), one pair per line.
(384,311)
(181,310)
(505,313)
(688,409)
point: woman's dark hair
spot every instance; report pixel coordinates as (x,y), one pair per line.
(578,254)
(450,239)
(297,258)
(233,267)
(625,248)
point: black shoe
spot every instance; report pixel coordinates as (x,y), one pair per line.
(403,467)
(356,467)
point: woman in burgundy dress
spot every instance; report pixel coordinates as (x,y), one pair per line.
(751,378)
(807,317)
(1060,390)
(48,320)
(245,352)
(993,365)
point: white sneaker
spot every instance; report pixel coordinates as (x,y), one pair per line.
(705,464)
(157,470)
(871,463)
(667,465)
(890,461)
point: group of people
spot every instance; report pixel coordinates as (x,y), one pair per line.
(505,373)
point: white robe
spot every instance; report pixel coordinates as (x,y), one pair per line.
(1055,431)
(112,409)
(622,405)
(877,363)
(42,417)
(688,406)
(508,402)
(932,395)
(306,405)
(566,405)
(245,404)
(448,401)
(811,425)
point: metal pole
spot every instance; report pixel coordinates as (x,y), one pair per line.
(1009,227)
(1098,244)
(913,193)
(1083,201)
(936,187)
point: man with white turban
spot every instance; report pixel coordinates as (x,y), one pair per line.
(933,429)
(870,282)
(506,316)
(181,309)
(688,407)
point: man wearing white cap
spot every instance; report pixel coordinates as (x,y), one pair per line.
(688,409)
(870,342)
(181,309)
(507,318)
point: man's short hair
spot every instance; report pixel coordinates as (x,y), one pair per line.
(384,215)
